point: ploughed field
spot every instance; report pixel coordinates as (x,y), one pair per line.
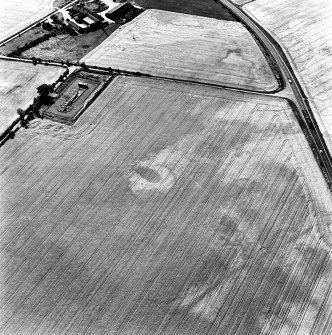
(18,86)
(18,14)
(304,29)
(208,8)
(188,47)
(165,209)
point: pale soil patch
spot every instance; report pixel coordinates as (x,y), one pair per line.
(187,47)
(17,14)
(18,84)
(305,29)
(177,209)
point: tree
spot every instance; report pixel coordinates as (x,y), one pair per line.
(21,113)
(34,60)
(44,90)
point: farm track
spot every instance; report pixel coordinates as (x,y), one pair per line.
(169,255)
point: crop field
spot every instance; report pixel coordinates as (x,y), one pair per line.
(186,47)
(208,8)
(304,28)
(61,3)
(166,208)
(18,86)
(20,41)
(66,47)
(17,14)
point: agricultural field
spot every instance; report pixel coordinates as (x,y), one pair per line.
(20,41)
(63,46)
(166,208)
(61,3)
(17,14)
(208,8)
(304,29)
(186,47)
(18,86)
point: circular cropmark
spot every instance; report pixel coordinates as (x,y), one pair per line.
(151,178)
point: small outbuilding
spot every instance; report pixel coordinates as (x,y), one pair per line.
(82,85)
(88,21)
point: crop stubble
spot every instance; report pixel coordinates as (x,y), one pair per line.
(187,47)
(17,14)
(304,29)
(167,208)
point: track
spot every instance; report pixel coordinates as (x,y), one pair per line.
(295,93)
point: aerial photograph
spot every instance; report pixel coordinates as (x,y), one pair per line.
(165,167)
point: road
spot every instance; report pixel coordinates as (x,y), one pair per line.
(294,91)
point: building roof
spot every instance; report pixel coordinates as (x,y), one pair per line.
(88,20)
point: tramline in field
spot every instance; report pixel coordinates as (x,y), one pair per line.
(187,47)
(166,208)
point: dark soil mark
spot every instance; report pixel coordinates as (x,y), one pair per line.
(207,8)
(148,174)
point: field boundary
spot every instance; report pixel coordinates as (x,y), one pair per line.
(71,118)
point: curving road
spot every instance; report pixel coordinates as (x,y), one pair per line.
(293,91)
(296,95)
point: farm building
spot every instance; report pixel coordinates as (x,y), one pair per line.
(91,22)
(75,26)
(88,21)
(123,11)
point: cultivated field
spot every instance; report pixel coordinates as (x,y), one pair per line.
(66,47)
(208,8)
(18,86)
(304,28)
(186,47)
(166,209)
(17,14)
